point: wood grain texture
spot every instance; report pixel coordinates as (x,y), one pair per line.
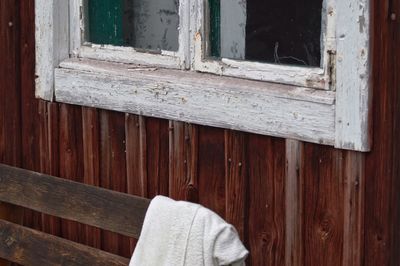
(29,107)
(331,217)
(294,193)
(183,161)
(30,247)
(10,90)
(323,216)
(266,200)
(345,72)
(136,155)
(90,205)
(236,180)
(136,159)
(113,171)
(91,164)
(203,99)
(395,196)
(211,171)
(10,95)
(157,138)
(71,161)
(353,208)
(381,166)
(49,154)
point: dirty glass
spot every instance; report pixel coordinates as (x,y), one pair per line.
(273,31)
(145,24)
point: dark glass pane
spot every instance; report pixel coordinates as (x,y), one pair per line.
(272,31)
(146,24)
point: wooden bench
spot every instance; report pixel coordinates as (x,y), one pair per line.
(105,209)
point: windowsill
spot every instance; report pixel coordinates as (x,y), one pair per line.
(251,106)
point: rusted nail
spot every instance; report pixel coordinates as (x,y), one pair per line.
(10,24)
(393,16)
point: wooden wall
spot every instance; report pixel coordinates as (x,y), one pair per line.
(293,203)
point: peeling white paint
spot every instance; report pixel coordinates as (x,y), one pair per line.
(44,71)
(309,109)
(353,67)
(251,106)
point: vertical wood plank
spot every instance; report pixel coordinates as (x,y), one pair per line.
(323,205)
(236,180)
(10,98)
(211,169)
(71,160)
(266,200)
(10,86)
(91,163)
(294,203)
(136,156)
(157,138)
(49,137)
(183,154)
(113,171)
(395,186)
(382,182)
(29,105)
(49,154)
(353,208)
(109,241)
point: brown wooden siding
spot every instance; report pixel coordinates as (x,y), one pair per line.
(293,203)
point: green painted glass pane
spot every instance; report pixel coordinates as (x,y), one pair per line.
(215,22)
(105,21)
(145,24)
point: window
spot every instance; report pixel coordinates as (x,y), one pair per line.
(133,32)
(292,69)
(293,38)
(144,24)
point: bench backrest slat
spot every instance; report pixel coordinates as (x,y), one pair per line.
(109,210)
(33,248)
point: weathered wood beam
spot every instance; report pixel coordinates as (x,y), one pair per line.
(106,209)
(30,247)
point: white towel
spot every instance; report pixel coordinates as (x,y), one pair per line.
(177,233)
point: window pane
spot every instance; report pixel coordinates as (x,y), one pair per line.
(272,31)
(146,24)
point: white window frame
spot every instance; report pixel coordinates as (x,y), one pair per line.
(328,105)
(311,77)
(129,55)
